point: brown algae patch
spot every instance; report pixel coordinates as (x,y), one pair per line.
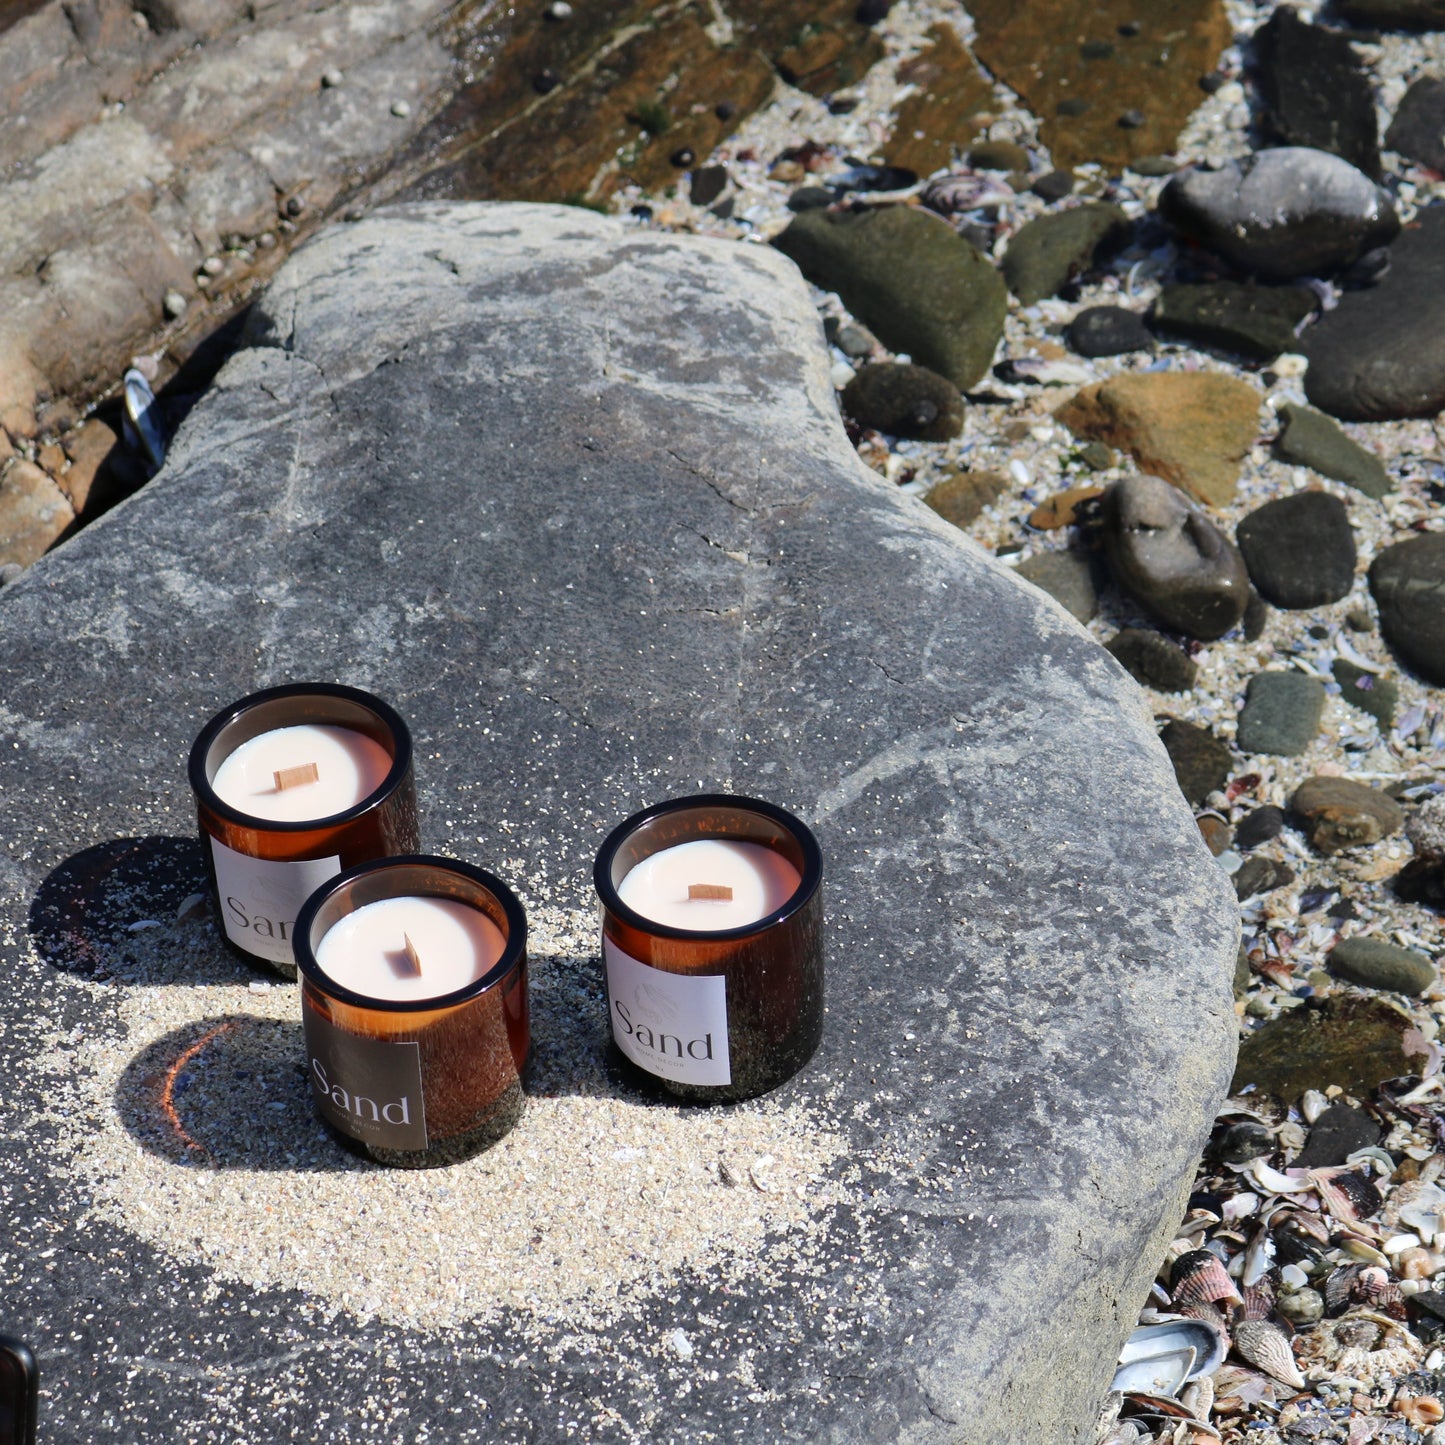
(191,1126)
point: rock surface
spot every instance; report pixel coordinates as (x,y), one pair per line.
(1191,428)
(1108,331)
(1380,354)
(1339,813)
(1051,250)
(1408,581)
(1201,760)
(1377,963)
(910,279)
(1172,559)
(1417,131)
(1281,713)
(1308,438)
(1282,213)
(961,497)
(905,400)
(1154,661)
(1300,550)
(1315,91)
(1257,322)
(1068,577)
(665,478)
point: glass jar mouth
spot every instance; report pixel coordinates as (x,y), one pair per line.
(728,816)
(274,707)
(421,875)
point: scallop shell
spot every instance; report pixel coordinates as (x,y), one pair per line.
(1259,1298)
(965,191)
(1338,1287)
(1266,1345)
(1199,1277)
(1347,1194)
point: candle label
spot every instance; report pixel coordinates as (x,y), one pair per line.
(674,1025)
(260,898)
(367,1088)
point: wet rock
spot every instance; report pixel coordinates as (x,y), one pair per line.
(1380,354)
(1054,185)
(1281,713)
(1418,130)
(1108,331)
(1356,1043)
(1259,826)
(1257,322)
(1201,760)
(1239,1142)
(1300,550)
(904,400)
(1172,559)
(1408,583)
(1392,14)
(906,275)
(962,497)
(1070,578)
(33,512)
(811,198)
(1191,428)
(1051,250)
(1282,213)
(1153,660)
(1376,963)
(951,98)
(1260,875)
(830,53)
(1082,74)
(1368,691)
(1215,832)
(1335,1135)
(707,184)
(1315,91)
(1308,438)
(1339,813)
(998,155)
(1256,617)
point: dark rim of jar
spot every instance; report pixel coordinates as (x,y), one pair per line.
(201,771)
(812,870)
(411,870)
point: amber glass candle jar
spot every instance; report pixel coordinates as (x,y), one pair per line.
(264,868)
(399,1073)
(713,955)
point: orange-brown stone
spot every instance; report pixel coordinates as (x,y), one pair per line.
(1062,509)
(948,109)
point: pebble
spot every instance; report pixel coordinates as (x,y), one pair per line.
(1053,185)
(1293,211)
(1335,1135)
(1108,331)
(1301,1307)
(1308,438)
(1388,14)
(174,305)
(706,184)
(330,79)
(1240,1142)
(1339,813)
(1281,713)
(1258,826)
(1380,354)
(1376,963)
(998,155)
(961,497)
(213,266)
(1154,661)
(1201,761)
(1369,691)
(1215,832)
(1418,130)
(904,400)
(1068,577)
(1172,559)
(1260,875)
(1062,509)
(1314,91)
(1051,250)
(1408,583)
(905,274)
(1256,322)
(401,109)
(811,198)
(1300,550)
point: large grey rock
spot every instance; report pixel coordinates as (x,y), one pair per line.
(1292,211)
(577,501)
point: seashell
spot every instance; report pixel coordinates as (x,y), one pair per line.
(1312,1104)
(1160,1359)
(1272,1181)
(1364,1344)
(1425,1210)
(142,417)
(1337,1287)
(1209,1313)
(1236,1388)
(1198,1396)
(1422,1411)
(1374,1288)
(1199,1277)
(1363,1250)
(1347,1194)
(966,191)
(1266,1345)
(1259,1298)
(1258,1258)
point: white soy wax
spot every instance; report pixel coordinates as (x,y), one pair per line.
(367,951)
(350,767)
(759,879)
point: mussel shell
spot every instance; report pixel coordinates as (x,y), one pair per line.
(1160,1359)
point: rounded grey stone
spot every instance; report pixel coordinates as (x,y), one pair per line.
(1281,713)
(1375,963)
(1408,581)
(1300,550)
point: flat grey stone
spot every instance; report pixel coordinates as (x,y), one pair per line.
(1281,713)
(577,501)
(1308,438)
(1378,963)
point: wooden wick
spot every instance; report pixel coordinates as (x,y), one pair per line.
(412,956)
(295,777)
(719,892)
